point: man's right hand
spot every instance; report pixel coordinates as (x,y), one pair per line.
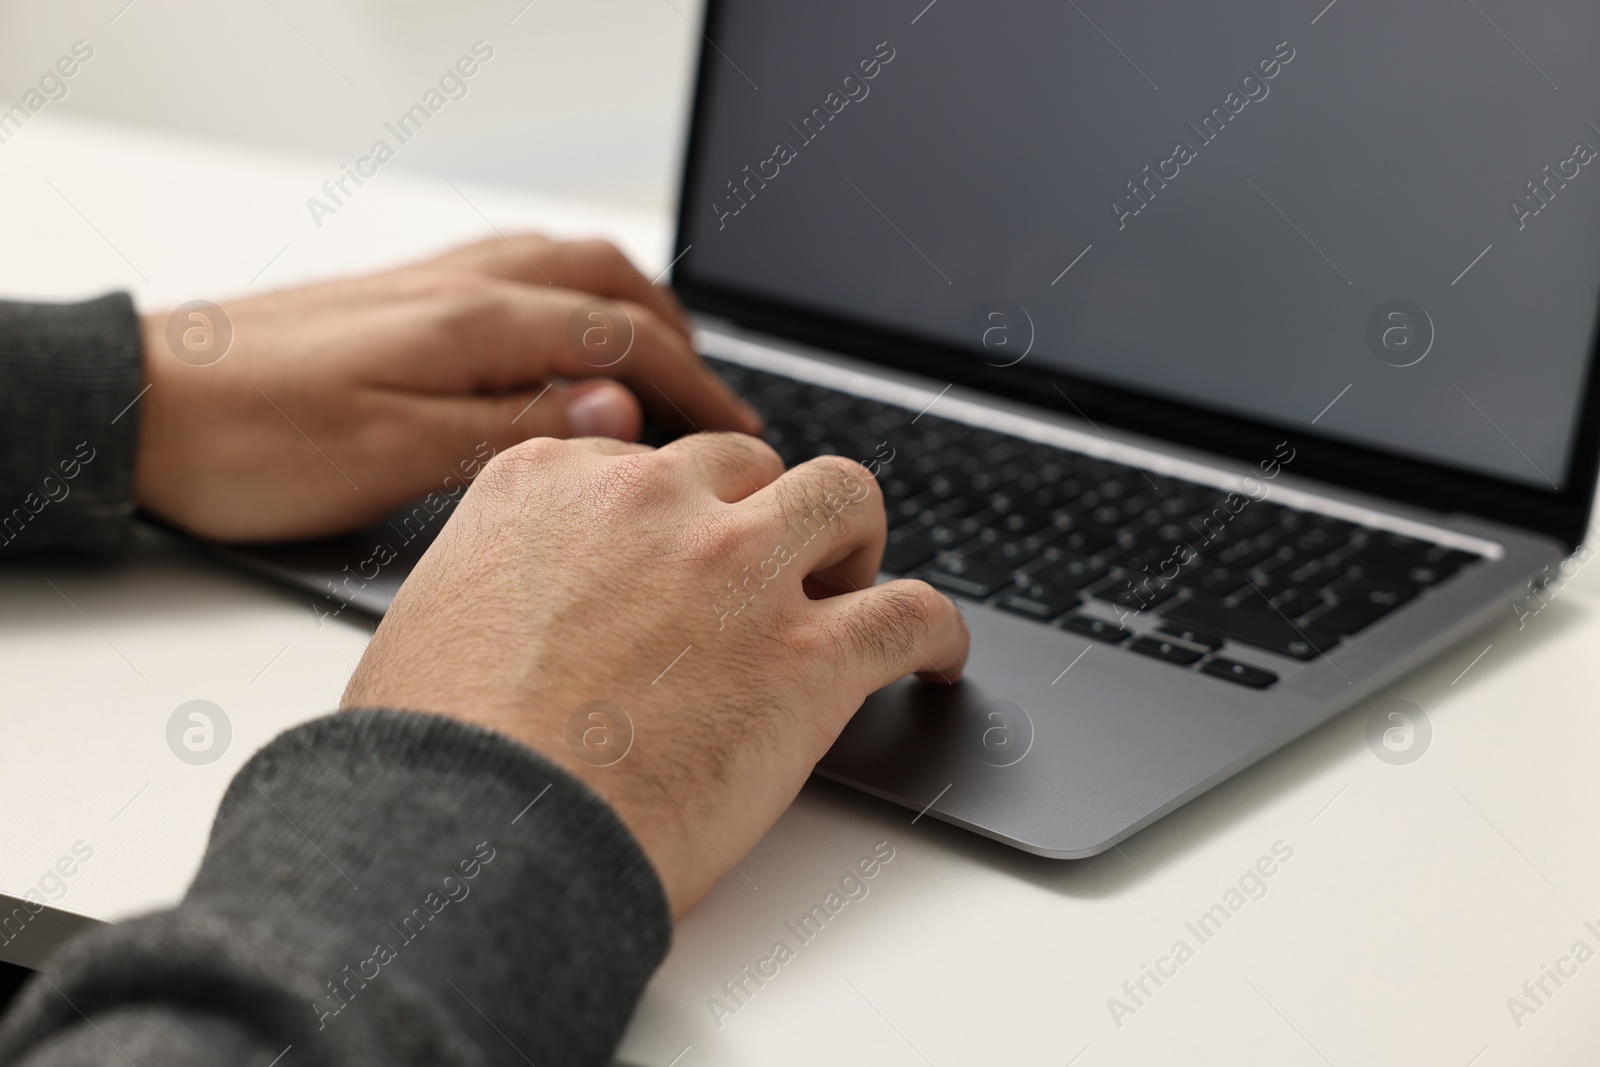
(725,606)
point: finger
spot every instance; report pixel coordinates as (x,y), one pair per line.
(598,266)
(901,627)
(599,408)
(732,464)
(593,266)
(832,511)
(596,411)
(502,336)
(675,383)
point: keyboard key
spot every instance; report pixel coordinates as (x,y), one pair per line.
(1373,591)
(900,487)
(1169,534)
(1338,527)
(988,481)
(1071,572)
(1419,575)
(1452,558)
(1141,595)
(1437,570)
(1090,626)
(1394,551)
(1294,602)
(1363,603)
(1258,516)
(902,511)
(1271,632)
(968,578)
(1110,516)
(1006,552)
(1218,581)
(1315,573)
(954,506)
(1129,555)
(1318,540)
(943,534)
(1400,556)
(1084,541)
(1039,601)
(1242,673)
(1022,523)
(1188,634)
(1283,559)
(1242,555)
(1351,617)
(903,557)
(1148,567)
(1170,651)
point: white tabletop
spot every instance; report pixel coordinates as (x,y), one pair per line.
(1416,899)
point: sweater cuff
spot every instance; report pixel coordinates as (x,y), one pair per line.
(395,887)
(69,428)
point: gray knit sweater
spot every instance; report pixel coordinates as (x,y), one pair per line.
(380,887)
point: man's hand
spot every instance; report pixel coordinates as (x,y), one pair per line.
(338,402)
(722,609)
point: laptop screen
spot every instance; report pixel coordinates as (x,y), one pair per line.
(1379,223)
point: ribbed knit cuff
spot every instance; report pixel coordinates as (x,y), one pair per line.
(389,887)
(69,430)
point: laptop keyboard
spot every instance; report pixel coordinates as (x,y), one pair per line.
(1098,547)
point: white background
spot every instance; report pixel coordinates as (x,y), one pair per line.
(583,96)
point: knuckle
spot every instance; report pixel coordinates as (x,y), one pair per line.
(509,252)
(446,286)
(726,535)
(631,481)
(525,458)
(760,449)
(646,323)
(602,250)
(455,303)
(736,450)
(910,606)
(807,642)
(668,464)
(515,471)
(828,486)
(888,625)
(844,477)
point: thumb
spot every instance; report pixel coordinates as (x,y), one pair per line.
(598,408)
(901,627)
(453,426)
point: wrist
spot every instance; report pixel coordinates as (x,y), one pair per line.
(598,753)
(70,421)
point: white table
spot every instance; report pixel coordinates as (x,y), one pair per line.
(1418,898)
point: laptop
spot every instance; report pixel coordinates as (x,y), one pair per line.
(1224,362)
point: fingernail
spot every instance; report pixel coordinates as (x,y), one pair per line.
(600,412)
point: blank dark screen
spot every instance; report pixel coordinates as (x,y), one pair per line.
(1377,222)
